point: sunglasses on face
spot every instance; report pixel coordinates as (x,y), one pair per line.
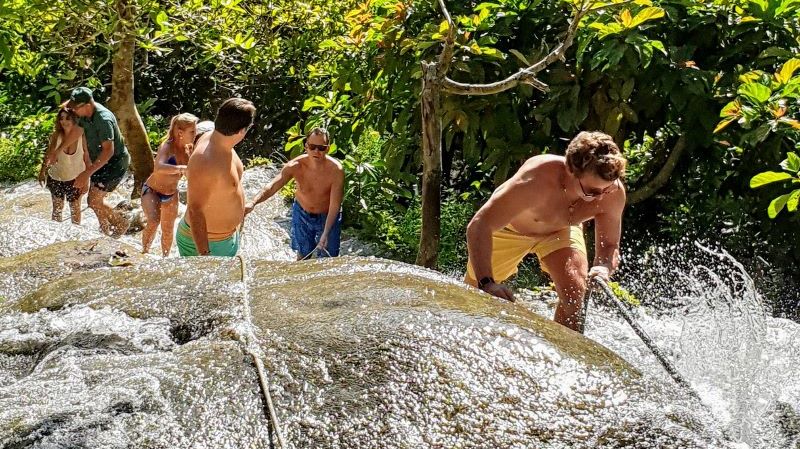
(322,148)
(597,192)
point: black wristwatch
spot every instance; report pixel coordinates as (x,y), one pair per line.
(485,281)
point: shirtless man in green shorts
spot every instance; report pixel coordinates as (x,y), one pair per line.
(110,158)
(540,210)
(215,197)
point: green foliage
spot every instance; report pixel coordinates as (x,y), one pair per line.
(287,192)
(157,127)
(259,161)
(624,294)
(22,147)
(791,165)
(453,252)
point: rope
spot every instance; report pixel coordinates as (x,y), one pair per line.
(70,217)
(263,380)
(676,376)
(312,252)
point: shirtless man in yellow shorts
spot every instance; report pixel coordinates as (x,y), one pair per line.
(540,210)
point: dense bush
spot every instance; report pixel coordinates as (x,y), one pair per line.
(22,147)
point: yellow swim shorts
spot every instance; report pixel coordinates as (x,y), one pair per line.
(509,248)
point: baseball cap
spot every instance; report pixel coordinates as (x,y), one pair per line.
(79,97)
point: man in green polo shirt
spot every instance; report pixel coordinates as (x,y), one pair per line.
(109,157)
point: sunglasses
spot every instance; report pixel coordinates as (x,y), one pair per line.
(313,146)
(596,192)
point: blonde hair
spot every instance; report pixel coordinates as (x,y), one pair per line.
(180,121)
(596,152)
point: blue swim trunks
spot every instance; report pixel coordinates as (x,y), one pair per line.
(307,228)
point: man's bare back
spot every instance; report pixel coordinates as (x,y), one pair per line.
(215,174)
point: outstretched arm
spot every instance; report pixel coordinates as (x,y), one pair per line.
(49,158)
(161,161)
(286,174)
(501,208)
(337,194)
(608,232)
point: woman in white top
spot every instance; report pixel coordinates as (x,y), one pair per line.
(60,168)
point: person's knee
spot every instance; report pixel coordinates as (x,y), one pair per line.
(95,202)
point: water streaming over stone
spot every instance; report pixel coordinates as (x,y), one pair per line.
(703,310)
(361,353)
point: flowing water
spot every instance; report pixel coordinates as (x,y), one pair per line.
(360,353)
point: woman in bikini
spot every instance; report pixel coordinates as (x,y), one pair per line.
(160,191)
(60,168)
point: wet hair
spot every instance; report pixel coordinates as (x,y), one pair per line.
(595,152)
(180,121)
(234,115)
(319,132)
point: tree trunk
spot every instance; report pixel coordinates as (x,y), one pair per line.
(431,167)
(122,102)
(646,191)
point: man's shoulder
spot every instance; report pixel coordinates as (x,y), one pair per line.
(295,163)
(334,163)
(104,113)
(542,165)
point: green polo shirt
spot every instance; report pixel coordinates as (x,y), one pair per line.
(100,127)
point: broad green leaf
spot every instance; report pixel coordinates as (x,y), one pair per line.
(625,18)
(775,52)
(790,121)
(788,69)
(645,15)
(6,52)
(627,88)
(777,205)
(794,198)
(768,177)
(732,109)
(755,92)
(659,46)
(791,163)
(520,56)
(162,19)
(604,30)
(724,123)
(751,76)
(486,6)
(492,52)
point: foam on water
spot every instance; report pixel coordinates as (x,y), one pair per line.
(703,310)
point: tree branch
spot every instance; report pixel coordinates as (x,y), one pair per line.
(526,75)
(651,187)
(446,56)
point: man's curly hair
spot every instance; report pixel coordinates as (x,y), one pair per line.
(595,152)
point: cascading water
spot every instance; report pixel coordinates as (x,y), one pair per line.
(703,309)
(361,353)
